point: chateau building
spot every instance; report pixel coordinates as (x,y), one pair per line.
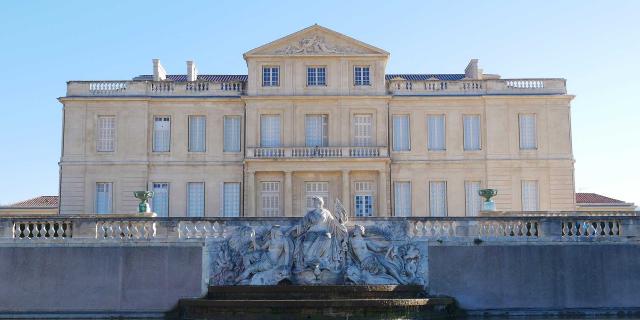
(316,115)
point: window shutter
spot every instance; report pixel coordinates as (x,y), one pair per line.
(436,127)
(473,201)
(528,135)
(195,199)
(231,134)
(362,130)
(161,133)
(402,199)
(104,197)
(270,131)
(160,200)
(471,132)
(231,199)
(316,131)
(105,135)
(438,198)
(401,140)
(530,195)
(197,129)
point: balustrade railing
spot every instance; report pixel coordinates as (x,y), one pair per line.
(513,228)
(317,152)
(153,88)
(477,87)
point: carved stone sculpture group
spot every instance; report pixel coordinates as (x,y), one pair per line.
(319,249)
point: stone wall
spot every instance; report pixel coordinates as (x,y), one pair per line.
(116,279)
(507,277)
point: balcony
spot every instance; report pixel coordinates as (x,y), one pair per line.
(316,152)
(402,87)
(153,88)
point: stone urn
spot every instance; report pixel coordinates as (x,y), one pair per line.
(488,204)
(144,197)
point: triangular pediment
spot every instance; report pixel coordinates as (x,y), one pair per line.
(316,41)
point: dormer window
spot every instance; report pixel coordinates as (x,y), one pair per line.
(270,76)
(316,76)
(361,76)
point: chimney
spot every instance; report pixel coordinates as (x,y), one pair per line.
(472,71)
(192,71)
(159,73)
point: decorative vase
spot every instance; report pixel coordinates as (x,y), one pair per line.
(488,204)
(144,197)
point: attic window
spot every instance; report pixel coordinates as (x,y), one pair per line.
(270,76)
(361,76)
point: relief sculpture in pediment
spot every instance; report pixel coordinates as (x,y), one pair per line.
(315,45)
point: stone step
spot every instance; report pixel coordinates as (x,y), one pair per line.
(288,292)
(433,308)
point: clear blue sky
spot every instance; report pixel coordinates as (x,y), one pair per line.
(594,45)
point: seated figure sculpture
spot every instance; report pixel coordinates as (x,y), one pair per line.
(320,243)
(270,263)
(372,263)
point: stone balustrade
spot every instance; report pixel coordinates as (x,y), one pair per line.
(317,152)
(516,227)
(477,87)
(153,88)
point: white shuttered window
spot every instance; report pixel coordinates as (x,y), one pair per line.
(270,130)
(316,130)
(401,141)
(270,195)
(104,197)
(195,199)
(436,127)
(402,198)
(160,200)
(529,195)
(106,134)
(197,131)
(528,135)
(473,201)
(320,189)
(438,198)
(231,134)
(231,199)
(471,125)
(161,133)
(362,130)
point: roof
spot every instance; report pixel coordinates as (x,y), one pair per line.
(585,197)
(37,202)
(201,77)
(423,77)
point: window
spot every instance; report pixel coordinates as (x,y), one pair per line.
(471,124)
(270,199)
(316,76)
(435,124)
(402,198)
(361,76)
(473,201)
(528,138)
(529,195)
(320,189)
(316,134)
(195,199)
(270,76)
(401,140)
(104,197)
(231,199)
(197,125)
(106,135)
(363,200)
(270,130)
(161,133)
(160,200)
(231,134)
(362,130)
(438,198)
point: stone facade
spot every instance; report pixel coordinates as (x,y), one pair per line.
(336,110)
